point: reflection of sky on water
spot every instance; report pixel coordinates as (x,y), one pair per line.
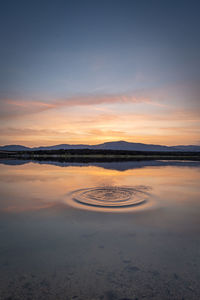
(51,248)
(42,185)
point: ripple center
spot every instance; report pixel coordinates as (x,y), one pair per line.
(110,197)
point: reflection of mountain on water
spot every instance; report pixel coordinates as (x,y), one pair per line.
(14,162)
(114,165)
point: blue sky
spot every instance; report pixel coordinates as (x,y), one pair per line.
(55,51)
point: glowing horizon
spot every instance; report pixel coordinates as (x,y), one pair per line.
(92,76)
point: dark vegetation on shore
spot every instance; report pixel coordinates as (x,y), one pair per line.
(87,155)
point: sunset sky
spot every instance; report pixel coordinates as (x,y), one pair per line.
(96,71)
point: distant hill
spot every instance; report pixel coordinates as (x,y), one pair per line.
(122,145)
(14,148)
(63,146)
(119,145)
(188,148)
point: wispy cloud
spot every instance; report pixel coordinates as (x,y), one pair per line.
(10,131)
(12,108)
(143,116)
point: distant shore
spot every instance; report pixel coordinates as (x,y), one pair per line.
(99,155)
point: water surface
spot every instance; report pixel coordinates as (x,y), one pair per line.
(99,231)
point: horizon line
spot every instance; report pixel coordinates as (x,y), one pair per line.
(116,141)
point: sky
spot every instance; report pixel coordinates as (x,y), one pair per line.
(95,71)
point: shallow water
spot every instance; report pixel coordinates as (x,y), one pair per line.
(100,231)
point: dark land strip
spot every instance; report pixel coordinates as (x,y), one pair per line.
(89,155)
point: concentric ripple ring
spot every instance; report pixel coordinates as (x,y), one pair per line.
(110,197)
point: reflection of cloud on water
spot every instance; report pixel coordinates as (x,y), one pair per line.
(37,204)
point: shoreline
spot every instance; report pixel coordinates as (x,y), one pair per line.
(98,155)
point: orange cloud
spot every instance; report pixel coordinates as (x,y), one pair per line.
(11,108)
(95,119)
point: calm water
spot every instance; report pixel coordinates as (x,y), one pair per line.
(101,231)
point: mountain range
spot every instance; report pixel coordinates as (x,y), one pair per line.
(118,145)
